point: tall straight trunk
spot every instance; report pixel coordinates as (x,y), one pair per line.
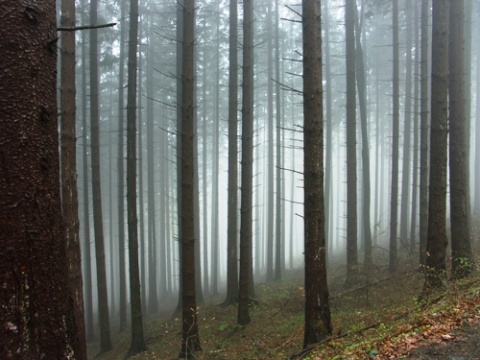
(270,177)
(279,228)
(232,232)
(104,318)
(467,85)
(121,176)
(352,252)
(407,130)
(328,127)
(362,96)
(68,171)
(459,187)
(204,241)
(395,146)
(87,256)
(437,204)
(317,310)
(152,230)
(215,161)
(424,138)
(416,136)
(476,177)
(137,343)
(190,337)
(247,164)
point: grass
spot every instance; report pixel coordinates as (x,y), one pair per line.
(368,321)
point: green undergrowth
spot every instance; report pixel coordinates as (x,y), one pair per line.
(366,318)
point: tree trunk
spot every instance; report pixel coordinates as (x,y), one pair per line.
(137,343)
(190,337)
(407,129)
(459,200)
(317,310)
(104,317)
(37,311)
(395,136)
(68,171)
(362,95)
(121,177)
(437,234)
(247,165)
(232,256)
(424,139)
(352,252)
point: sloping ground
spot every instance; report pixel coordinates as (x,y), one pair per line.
(384,320)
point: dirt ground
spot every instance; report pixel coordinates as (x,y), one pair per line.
(464,344)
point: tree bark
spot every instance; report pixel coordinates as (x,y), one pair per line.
(190,336)
(247,165)
(68,170)
(317,311)
(37,310)
(462,259)
(437,234)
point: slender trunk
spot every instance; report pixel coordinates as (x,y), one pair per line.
(395,146)
(104,318)
(69,173)
(424,139)
(247,162)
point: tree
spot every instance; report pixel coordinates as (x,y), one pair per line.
(317,311)
(352,253)
(35,297)
(232,267)
(424,125)
(395,136)
(190,335)
(68,170)
(105,340)
(121,175)
(459,199)
(247,166)
(137,343)
(437,203)
(362,96)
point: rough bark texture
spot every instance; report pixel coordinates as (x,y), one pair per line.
(137,343)
(232,256)
(317,311)
(424,140)
(352,226)
(247,165)
(121,177)
(459,201)
(190,337)
(36,309)
(395,136)
(104,317)
(437,206)
(68,169)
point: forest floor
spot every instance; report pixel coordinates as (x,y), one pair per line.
(382,320)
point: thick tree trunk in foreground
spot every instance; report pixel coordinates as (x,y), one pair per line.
(437,206)
(36,309)
(317,311)
(459,187)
